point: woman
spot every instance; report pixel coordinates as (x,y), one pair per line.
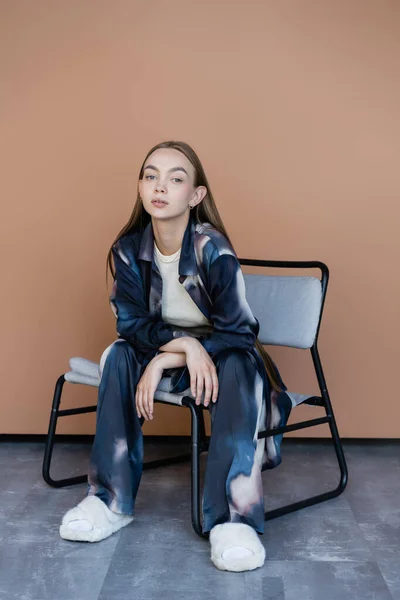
(179,301)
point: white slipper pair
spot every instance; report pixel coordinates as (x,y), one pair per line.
(236,547)
(91,521)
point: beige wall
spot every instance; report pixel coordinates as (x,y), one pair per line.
(293,108)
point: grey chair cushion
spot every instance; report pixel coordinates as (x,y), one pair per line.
(85,366)
(74,377)
(287,308)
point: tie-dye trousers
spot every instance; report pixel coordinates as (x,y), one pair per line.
(233,490)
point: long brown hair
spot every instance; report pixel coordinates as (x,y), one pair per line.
(205,212)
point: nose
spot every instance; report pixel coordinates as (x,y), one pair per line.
(160,186)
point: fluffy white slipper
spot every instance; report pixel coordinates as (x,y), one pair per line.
(99,522)
(236,547)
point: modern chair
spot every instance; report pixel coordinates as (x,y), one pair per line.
(289,310)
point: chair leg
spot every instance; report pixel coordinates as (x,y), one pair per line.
(284,510)
(197,419)
(272,514)
(203,443)
(55,413)
(333,427)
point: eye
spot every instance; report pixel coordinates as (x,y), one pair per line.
(147,176)
(177,179)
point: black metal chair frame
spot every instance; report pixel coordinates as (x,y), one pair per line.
(199,441)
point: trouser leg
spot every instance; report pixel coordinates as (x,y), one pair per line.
(116,460)
(233,489)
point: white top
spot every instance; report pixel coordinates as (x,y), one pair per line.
(177,307)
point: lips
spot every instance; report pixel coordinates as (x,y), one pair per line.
(159,200)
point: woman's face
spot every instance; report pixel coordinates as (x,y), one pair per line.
(168,177)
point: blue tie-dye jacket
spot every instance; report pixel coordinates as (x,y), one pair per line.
(210,272)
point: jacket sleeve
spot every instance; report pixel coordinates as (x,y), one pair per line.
(234,324)
(135,323)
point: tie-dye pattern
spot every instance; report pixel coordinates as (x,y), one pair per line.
(210,272)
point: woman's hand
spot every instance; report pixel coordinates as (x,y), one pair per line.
(203,374)
(146,388)
(151,377)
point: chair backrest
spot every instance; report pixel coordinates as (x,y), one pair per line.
(288,308)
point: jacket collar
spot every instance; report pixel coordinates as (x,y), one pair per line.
(187,260)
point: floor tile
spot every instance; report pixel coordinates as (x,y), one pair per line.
(310,580)
(146,570)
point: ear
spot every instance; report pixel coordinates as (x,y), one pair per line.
(198,195)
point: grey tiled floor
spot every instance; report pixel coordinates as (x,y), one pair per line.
(348,547)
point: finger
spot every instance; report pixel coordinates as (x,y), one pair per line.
(138,402)
(199,387)
(151,403)
(145,404)
(208,389)
(193,384)
(215,381)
